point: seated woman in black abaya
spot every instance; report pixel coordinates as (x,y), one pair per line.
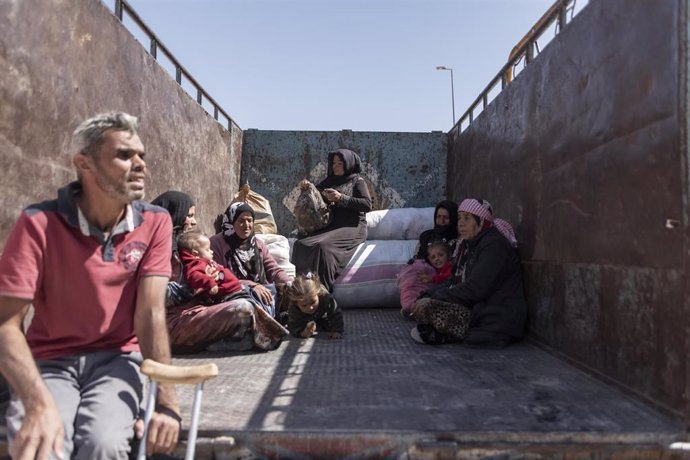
(327,252)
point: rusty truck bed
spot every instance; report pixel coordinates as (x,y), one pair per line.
(378,394)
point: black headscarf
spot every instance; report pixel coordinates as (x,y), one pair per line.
(244,256)
(177,204)
(352,166)
(448,232)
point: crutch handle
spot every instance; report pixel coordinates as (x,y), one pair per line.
(166,373)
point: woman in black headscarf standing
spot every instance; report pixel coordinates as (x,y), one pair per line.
(327,252)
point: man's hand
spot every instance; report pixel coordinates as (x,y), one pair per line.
(164,431)
(263,293)
(41,434)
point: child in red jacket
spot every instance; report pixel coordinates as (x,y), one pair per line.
(202,274)
(438,256)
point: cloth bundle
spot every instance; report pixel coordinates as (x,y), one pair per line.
(311,211)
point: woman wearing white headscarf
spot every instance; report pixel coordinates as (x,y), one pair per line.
(234,324)
(238,249)
(483,304)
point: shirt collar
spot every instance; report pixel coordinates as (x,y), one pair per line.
(70,211)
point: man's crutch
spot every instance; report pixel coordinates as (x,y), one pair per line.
(164,373)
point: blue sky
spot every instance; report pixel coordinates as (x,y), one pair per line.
(322,65)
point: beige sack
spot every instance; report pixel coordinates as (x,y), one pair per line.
(263,222)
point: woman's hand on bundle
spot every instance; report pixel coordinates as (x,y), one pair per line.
(263,293)
(304,184)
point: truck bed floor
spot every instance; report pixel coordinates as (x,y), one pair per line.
(378,394)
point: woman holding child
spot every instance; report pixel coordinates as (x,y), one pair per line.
(226,319)
(445,229)
(329,250)
(483,304)
(238,249)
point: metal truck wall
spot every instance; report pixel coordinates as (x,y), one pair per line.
(582,152)
(61,62)
(402,169)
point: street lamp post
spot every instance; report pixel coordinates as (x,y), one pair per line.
(452,90)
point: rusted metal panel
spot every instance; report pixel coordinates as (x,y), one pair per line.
(582,151)
(403,169)
(82,61)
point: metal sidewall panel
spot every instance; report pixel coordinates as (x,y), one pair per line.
(582,152)
(62,62)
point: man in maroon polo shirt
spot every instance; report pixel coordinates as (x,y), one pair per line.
(94,263)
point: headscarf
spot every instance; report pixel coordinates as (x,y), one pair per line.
(177,204)
(485,214)
(351,164)
(244,256)
(232,214)
(447,232)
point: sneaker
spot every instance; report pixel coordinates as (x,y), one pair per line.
(406,314)
(414,333)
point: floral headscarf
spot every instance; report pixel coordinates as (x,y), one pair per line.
(244,256)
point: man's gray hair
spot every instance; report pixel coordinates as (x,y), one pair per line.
(88,136)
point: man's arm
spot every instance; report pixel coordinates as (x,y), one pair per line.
(152,332)
(41,432)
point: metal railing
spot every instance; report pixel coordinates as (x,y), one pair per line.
(524,52)
(156,46)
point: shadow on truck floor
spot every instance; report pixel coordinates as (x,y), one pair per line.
(378,394)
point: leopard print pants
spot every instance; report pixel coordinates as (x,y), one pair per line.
(441,322)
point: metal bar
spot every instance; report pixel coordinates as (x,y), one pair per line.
(118,9)
(122,6)
(525,48)
(561,18)
(154,48)
(150,405)
(196,410)
(215,112)
(198,96)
